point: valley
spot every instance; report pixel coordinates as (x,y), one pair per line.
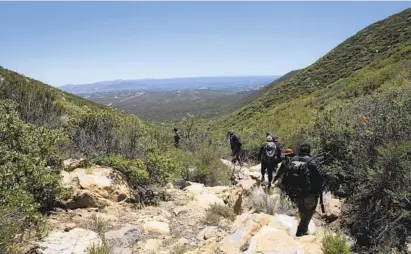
(92,169)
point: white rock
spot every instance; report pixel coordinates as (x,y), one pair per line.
(205,200)
(75,241)
(256,168)
(285,222)
(194,187)
(273,241)
(152,245)
(156,226)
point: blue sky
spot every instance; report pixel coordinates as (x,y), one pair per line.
(82,42)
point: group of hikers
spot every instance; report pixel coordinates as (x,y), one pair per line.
(298,175)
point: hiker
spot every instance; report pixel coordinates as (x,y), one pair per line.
(269,156)
(176,138)
(275,139)
(302,181)
(286,156)
(235,144)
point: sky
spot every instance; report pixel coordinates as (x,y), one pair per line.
(83,42)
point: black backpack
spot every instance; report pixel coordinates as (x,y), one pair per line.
(300,179)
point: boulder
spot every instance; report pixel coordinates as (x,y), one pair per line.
(124,237)
(85,199)
(103,181)
(193,187)
(76,241)
(72,164)
(152,245)
(205,200)
(157,227)
(256,168)
(332,207)
(247,184)
(273,241)
(234,242)
(289,224)
(310,244)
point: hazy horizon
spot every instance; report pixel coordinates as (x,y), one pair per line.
(63,43)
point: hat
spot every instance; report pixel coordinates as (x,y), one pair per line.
(288,152)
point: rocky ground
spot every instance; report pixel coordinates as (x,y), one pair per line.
(100,211)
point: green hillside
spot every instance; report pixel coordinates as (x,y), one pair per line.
(355,104)
(361,65)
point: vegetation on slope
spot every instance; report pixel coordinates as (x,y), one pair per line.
(354,103)
(41,125)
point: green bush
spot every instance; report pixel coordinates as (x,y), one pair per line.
(370,147)
(216,212)
(30,167)
(133,170)
(335,244)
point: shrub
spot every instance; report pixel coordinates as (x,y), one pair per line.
(134,170)
(370,148)
(208,168)
(335,244)
(29,170)
(262,203)
(216,212)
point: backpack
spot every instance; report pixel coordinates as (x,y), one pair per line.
(270,151)
(300,179)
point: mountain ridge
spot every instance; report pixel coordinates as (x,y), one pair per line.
(223,82)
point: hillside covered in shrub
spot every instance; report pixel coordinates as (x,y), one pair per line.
(355,104)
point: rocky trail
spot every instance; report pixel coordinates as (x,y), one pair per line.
(101,211)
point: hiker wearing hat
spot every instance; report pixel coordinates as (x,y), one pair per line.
(269,156)
(302,182)
(235,144)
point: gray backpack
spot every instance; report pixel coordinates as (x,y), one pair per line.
(270,151)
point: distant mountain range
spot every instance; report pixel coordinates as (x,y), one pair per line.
(238,82)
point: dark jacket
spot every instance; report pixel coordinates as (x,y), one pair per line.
(177,137)
(235,142)
(262,151)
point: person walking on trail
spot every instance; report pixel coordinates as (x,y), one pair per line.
(269,156)
(302,182)
(176,138)
(235,144)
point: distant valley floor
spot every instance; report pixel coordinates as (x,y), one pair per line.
(172,105)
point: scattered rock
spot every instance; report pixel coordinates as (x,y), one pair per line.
(75,241)
(157,227)
(72,164)
(69,226)
(206,233)
(169,186)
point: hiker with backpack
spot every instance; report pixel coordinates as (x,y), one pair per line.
(269,156)
(235,144)
(302,182)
